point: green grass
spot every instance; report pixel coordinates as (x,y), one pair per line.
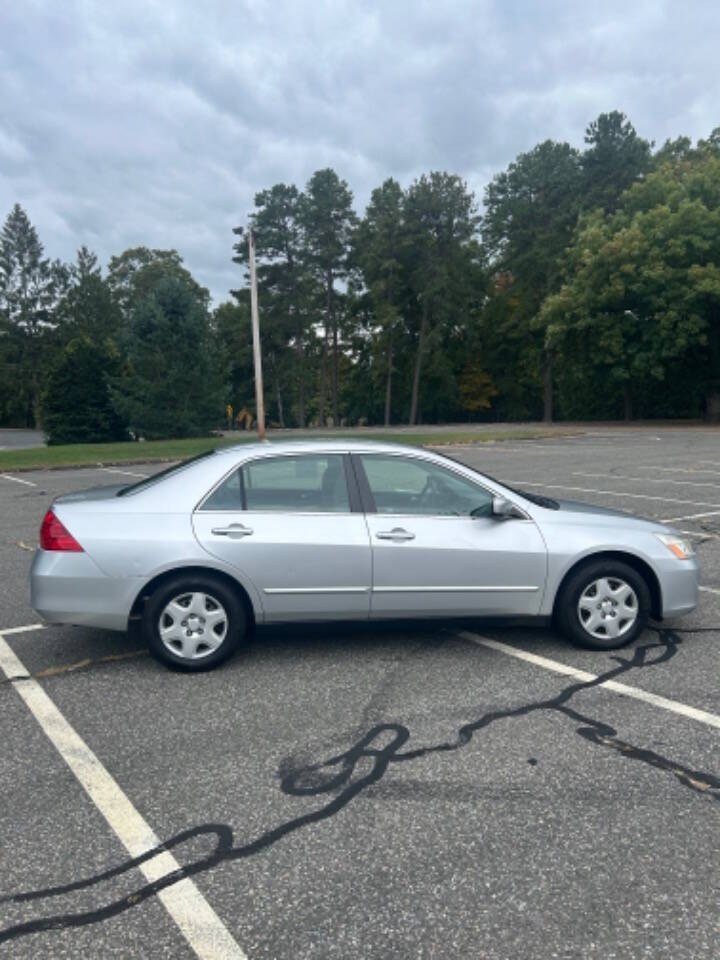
(108,454)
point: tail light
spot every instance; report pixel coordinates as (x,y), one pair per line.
(54,536)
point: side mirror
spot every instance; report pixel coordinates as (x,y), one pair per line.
(504,509)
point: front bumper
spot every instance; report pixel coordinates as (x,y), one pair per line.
(679,586)
(70,588)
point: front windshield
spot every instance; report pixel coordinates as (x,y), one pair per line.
(157,477)
(537,498)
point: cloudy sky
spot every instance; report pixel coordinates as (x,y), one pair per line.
(156,121)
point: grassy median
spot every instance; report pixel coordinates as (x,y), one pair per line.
(109,454)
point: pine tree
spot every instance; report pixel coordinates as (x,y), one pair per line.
(328,221)
(88,307)
(170,386)
(616,157)
(285,291)
(30,286)
(380,252)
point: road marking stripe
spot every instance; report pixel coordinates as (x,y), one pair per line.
(611,493)
(664,480)
(674,706)
(27,483)
(710,590)
(693,516)
(205,932)
(702,534)
(126,473)
(25,629)
(641,466)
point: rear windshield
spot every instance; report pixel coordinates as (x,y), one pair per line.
(157,477)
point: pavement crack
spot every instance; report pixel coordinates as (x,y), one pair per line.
(88,662)
(77,665)
(346,775)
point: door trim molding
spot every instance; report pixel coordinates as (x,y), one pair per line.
(276,590)
(448,589)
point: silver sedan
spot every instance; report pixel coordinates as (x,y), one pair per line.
(333,530)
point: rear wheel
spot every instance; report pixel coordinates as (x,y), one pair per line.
(604,605)
(194,622)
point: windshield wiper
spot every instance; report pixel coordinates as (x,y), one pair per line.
(538,499)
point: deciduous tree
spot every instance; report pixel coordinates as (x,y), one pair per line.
(643,293)
(135,273)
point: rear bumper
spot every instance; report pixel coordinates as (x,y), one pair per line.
(70,588)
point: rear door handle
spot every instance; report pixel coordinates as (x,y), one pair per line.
(235,531)
(397,533)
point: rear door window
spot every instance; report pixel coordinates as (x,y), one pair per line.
(310,483)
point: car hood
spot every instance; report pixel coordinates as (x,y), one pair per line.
(589,512)
(105,492)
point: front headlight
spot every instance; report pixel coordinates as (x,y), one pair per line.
(682,548)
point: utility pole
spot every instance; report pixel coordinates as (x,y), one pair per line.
(257,358)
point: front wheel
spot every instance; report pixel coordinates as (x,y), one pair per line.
(603,605)
(194,622)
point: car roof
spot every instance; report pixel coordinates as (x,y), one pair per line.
(319,445)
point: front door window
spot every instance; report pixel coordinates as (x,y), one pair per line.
(403,486)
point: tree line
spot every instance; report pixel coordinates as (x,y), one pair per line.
(588,287)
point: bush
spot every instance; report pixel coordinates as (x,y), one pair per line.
(76,406)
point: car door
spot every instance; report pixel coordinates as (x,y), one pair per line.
(438,549)
(294,525)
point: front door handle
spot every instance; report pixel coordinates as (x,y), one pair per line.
(235,531)
(397,534)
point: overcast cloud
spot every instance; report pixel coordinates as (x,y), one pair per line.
(155,123)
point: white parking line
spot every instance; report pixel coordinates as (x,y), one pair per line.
(610,493)
(27,483)
(30,626)
(636,693)
(126,473)
(710,590)
(692,516)
(702,534)
(641,466)
(680,483)
(205,932)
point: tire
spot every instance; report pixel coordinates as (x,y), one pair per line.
(604,604)
(194,622)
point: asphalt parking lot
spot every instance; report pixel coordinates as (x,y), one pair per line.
(17,439)
(422,791)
